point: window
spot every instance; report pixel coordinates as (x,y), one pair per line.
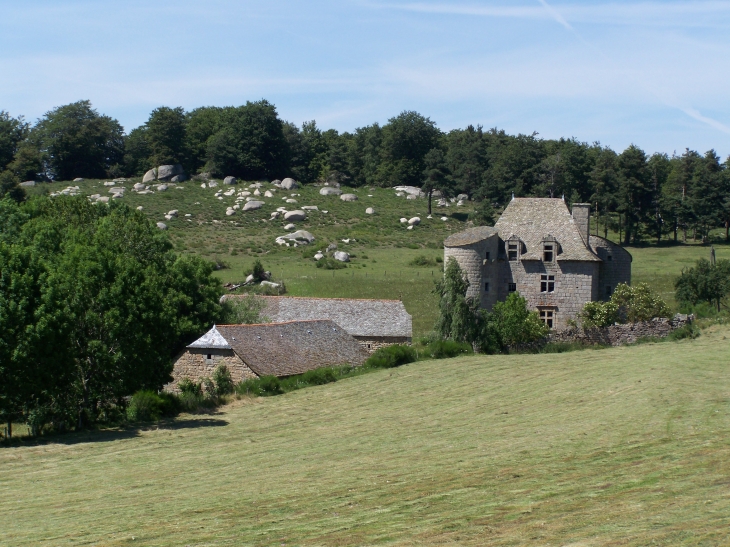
(486,255)
(609,292)
(547,317)
(512,251)
(609,258)
(511,287)
(547,254)
(486,287)
(209,359)
(547,283)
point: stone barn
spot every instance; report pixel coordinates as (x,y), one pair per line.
(273,349)
(373,323)
(546,253)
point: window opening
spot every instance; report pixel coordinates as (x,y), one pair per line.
(547,317)
(548,253)
(512,287)
(547,283)
(486,287)
(486,255)
(609,258)
(512,251)
(609,292)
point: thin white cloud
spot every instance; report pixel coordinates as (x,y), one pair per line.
(555,14)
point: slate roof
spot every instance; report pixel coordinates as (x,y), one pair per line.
(359,317)
(532,219)
(469,236)
(284,349)
(211,340)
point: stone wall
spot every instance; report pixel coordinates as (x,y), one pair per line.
(195,365)
(373,344)
(617,335)
(615,268)
(479,269)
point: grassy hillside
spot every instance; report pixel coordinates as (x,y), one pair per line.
(383,248)
(626,446)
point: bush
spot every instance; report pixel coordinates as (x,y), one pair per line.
(422,260)
(512,324)
(599,314)
(319,376)
(392,356)
(628,304)
(187,386)
(687,331)
(443,349)
(145,406)
(222,380)
(330,263)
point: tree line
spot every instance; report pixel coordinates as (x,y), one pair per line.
(644,197)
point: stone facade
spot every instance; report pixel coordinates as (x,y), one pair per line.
(197,364)
(541,250)
(372,344)
(617,335)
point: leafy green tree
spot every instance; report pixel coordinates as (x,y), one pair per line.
(466,158)
(458,315)
(10,186)
(706,193)
(137,152)
(250,144)
(515,324)
(407,138)
(27,163)
(201,124)
(705,282)
(76,141)
(484,214)
(363,155)
(12,132)
(436,176)
(603,180)
(166,133)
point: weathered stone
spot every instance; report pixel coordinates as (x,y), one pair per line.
(328,191)
(166,172)
(290,227)
(230,212)
(369,211)
(289,184)
(268,194)
(28,183)
(342,256)
(150,175)
(78,179)
(415,221)
(162,226)
(348,197)
(403,220)
(462,197)
(173,213)
(212,184)
(270,284)
(291,200)
(253,205)
(161,187)
(310,208)
(300,236)
(103,199)
(139,207)
(230,181)
(295,215)
(179,178)
(139,186)
(318,256)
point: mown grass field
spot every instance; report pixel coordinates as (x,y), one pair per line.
(625,446)
(383,248)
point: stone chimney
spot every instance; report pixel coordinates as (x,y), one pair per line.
(582,219)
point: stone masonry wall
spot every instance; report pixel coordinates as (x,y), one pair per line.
(617,335)
(479,270)
(371,345)
(193,364)
(615,268)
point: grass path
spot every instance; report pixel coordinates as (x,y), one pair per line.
(627,446)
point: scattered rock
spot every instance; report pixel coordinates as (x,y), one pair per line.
(268,194)
(139,186)
(179,178)
(348,197)
(162,226)
(411,196)
(310,208)
(462,197)
(429,217)
(295,215)
(103,199)
(203,185)
(444,218)
(230,212)
(166,172)
(275,214)
(110,183)
(78,179)
(369,211)
(161,187)
(257,192)
(415,221)
(289,184)
(169,217)
(212,184)
(342,256)
(139,208)
(328,191)
(230,181)
(300,236)
(290,226)
(403,220)
(331,247)
(253,205)
(94,196)
(291,200)
(318,256)
(150,175)
(410,227)
(173,213)
(270,284)
(459,203)
(28,183)
(188,215)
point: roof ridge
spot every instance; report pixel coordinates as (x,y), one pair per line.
(279,323)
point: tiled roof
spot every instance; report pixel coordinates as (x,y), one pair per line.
(532,219)
(366,318)
(469,236)
(284,349)
(211,340)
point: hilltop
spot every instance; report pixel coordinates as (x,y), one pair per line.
(619,446)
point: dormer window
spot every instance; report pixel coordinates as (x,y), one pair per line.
(547,253)
(512,251)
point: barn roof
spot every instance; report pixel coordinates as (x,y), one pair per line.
(295,347)
(469,236)
(359,317)
(211,340)
(533,219)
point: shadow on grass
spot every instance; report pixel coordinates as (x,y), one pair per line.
(110,435)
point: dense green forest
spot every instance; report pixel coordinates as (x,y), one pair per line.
(644,197)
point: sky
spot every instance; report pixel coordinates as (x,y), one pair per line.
(655,74)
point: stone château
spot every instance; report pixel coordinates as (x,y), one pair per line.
(546,253)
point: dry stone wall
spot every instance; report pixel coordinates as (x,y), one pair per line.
(195,365)
(617,335)
(372,344)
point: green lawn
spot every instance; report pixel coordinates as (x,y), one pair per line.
(625,446)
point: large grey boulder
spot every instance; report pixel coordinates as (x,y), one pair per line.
(179,178)
(230,181)
(348,197)
(295,215)
(342,256)
(289,184)
(150,175)
(300,236)
(166,172)
(415,221)
(78,179)
(329,191)
(462,197)
(253,205)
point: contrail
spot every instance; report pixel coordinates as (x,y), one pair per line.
(688,111)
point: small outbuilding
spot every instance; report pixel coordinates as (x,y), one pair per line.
(373,323)
(273,349)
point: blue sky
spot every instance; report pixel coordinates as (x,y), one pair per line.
(656,74)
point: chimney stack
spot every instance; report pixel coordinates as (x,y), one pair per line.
(582,219)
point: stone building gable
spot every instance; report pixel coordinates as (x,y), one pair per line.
(533,219)
(362,318)
(198,363)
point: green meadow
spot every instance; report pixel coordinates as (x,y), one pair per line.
(623,446)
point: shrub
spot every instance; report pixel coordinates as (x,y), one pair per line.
(258,271)
(513,324)
(392,356)
(599,314)
(186,385)
(330,263)
(222,380)
(422,260)
(689,330)
(145,406)
(705,282)
(628,304)
(442,349)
